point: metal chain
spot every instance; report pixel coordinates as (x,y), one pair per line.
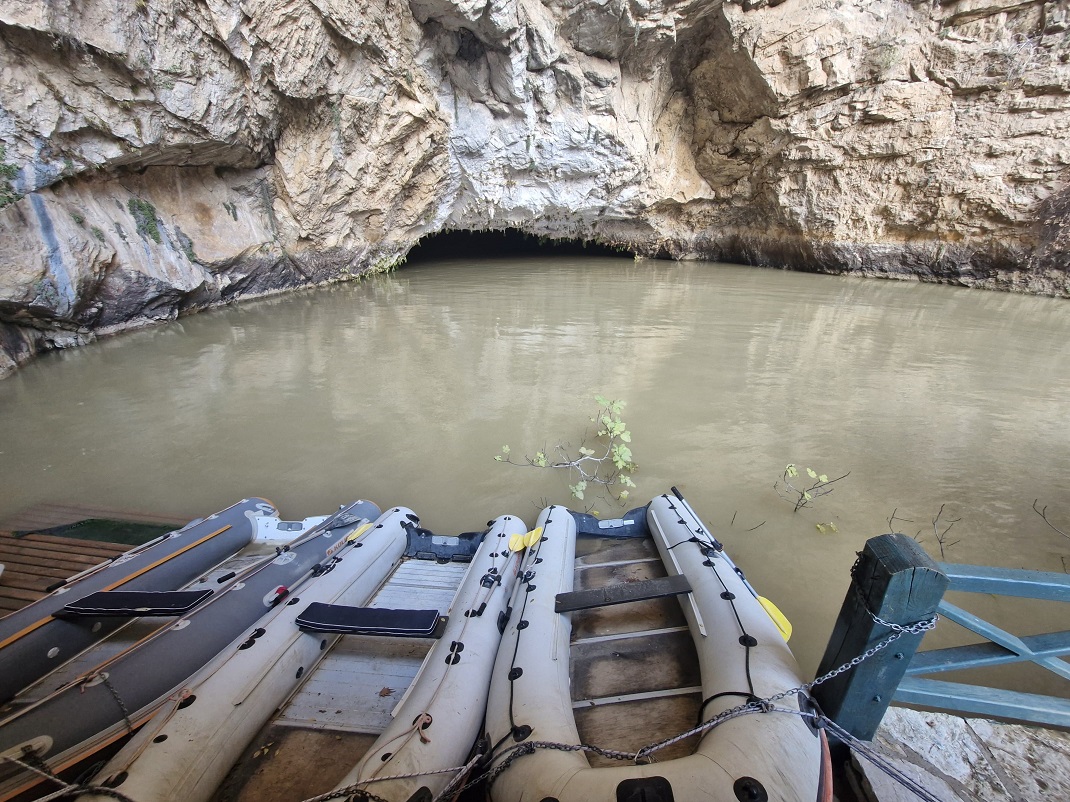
(351,791)
(907,629)
(754,706)
(356,788)
(34,764)
(448,790)
(118,699)
(915,628)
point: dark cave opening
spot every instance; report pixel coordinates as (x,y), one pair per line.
(506,242)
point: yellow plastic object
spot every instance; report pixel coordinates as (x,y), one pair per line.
(533,537)
(781,620)
(360,531)
(516,543)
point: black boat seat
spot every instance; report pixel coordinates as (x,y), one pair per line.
(134,603)
(619,594)
(338,618)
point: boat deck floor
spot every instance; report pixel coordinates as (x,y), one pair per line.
(339,711)
(631,662)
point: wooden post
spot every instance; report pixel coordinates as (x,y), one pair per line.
(902,585)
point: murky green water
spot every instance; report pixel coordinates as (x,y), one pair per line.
(403,388)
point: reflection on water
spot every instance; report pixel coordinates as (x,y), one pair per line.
(401,389)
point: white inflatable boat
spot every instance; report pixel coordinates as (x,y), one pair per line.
(440,717)
(749,756)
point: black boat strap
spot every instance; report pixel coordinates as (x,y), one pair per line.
(135,603)
(337,618)
(619,594)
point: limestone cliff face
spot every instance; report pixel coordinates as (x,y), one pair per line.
(163,157)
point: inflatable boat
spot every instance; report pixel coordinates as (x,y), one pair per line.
(440,717)
(749,751)
(68,728)
(187,748)
(40,637)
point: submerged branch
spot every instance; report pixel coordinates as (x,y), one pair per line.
(1043,513)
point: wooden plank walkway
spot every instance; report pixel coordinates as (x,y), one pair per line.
(33,563)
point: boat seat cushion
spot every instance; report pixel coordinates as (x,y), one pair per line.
(337,618)
(133,603)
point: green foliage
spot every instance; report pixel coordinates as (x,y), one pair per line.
(187,244)
(807,492)
(607,463)
(386,264)
(144,214)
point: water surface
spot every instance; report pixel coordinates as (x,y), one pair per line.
(401,389)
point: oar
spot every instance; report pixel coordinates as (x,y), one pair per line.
(521,542)
(781,620)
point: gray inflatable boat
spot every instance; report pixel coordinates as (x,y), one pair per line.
(68,728)
(34,641)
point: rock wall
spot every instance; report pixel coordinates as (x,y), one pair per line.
(159,157)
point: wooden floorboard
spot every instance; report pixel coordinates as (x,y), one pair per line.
(638,648)
(17,579)
(73,549)
(35,562)
(45,516)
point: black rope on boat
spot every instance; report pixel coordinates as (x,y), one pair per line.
(520,732)
(747,640)
(749,696)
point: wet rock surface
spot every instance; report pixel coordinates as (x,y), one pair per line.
(159,158)
(965,760)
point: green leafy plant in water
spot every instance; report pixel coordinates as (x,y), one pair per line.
(804,493)
(607,462)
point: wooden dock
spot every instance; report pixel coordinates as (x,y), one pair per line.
(32,563)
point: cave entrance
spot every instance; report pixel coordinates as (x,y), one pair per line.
(507,242)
